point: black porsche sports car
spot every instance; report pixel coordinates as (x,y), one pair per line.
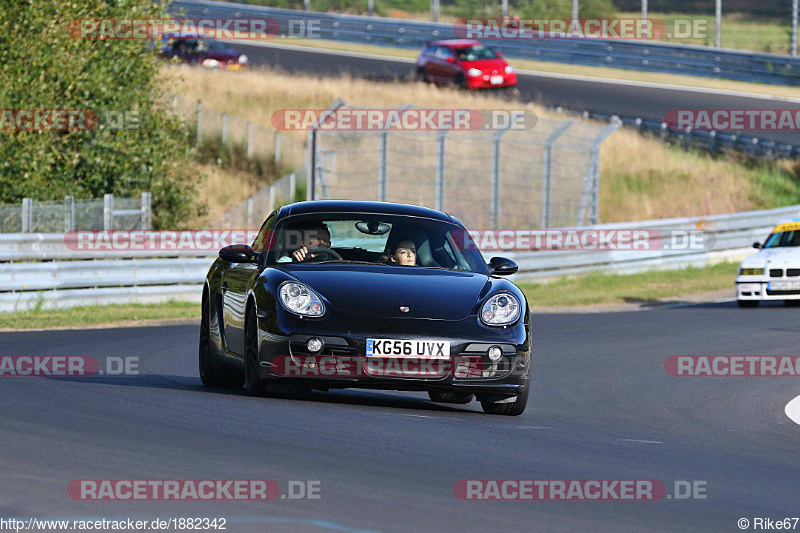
(338,294)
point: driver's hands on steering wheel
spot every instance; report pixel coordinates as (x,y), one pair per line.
(300,254)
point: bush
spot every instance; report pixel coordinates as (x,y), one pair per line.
(43,67)
(562,9)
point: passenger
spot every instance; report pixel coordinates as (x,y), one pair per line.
(403,254)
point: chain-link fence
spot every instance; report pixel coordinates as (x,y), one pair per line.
(255,141)
(60,216)
(547,176)
(250,213)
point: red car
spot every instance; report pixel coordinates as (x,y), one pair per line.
(466,63)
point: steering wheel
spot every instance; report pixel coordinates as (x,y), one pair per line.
(318,251)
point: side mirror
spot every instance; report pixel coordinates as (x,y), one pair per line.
(757,245)
(238,253)
(451,59)
(501,266)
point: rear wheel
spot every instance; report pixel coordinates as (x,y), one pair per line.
(210,372)
(748,303)
(252,383)
(450,397)
(515,408)
(422,76)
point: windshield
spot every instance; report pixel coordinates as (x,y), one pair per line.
(474,53)
(391,240)
(783,238)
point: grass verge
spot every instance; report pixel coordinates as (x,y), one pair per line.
(93,315)
(650,286)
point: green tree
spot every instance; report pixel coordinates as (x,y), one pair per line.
(44,66)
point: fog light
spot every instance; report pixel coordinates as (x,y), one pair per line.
(314,345)
(495,354)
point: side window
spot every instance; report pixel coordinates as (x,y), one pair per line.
(264,234)
(443,52)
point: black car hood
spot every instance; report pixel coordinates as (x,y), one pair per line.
(380,291)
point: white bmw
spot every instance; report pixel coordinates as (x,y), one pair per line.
(774,272)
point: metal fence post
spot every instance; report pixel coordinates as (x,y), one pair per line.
(69,212)
(793,45)
(548,170)
(272,198)
(495,198)
(250,212)
(591,191)
(147,210)
(199,120)
(382,166)
(311,172)
(292,187)
(108,212)
(249,140)
(27,215)
(277,146)
(440,170)
(224,127)
(718,17)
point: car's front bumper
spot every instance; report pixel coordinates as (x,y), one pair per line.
(484,82)
(468,369)
(765,289)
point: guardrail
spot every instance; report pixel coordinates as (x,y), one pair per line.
(52,275)
(632,55)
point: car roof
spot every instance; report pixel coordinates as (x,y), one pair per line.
(455,42)
(353,206)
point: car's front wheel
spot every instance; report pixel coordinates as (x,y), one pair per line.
(450,397)
(515,408)
(422,76)
(748,303)
(210,372)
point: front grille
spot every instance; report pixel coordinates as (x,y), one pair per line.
(782,293)
(793,272)
(776,273)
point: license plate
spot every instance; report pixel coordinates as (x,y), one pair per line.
(496,80)
(427,349)
(784,286)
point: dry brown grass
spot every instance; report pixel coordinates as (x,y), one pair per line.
(641,178)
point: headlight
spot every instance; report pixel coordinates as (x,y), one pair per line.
(299,299)
(509,69)
(474,72)
(210,63)
(501,309)
(243,60)
(751,271)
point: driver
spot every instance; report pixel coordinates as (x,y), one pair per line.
(316,236)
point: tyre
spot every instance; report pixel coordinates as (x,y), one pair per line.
(515,408)
(450,397)
(461,82)
(210,372)
(422,76)
(252,383)
(748,303)
(792,303)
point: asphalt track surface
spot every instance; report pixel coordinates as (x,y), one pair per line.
(602,407)
(578,95)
